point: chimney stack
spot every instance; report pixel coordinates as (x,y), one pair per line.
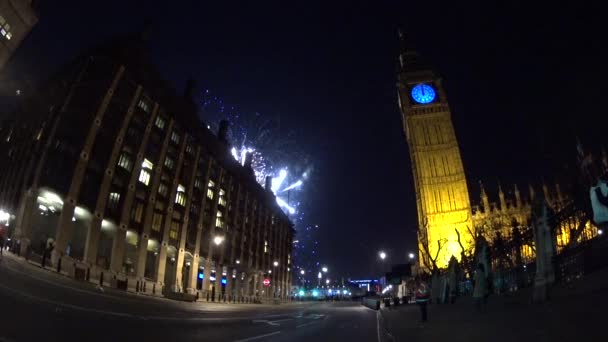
(189,90)
(268,186)
(222,134)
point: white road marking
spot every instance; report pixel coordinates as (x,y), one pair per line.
(265,321)
(259,336)
(306,324)
(378,325)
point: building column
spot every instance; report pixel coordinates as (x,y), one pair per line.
(206,275)
(191,286)
(93,230)
(160,271)
(23,229)
(142,247)
(65,226)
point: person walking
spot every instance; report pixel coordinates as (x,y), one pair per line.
(422,298)
(481,288)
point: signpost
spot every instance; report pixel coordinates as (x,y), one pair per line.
(266,282)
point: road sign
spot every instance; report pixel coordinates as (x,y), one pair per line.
(266,282)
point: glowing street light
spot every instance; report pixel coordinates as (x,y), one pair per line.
(382,255)
(276,263)
(319,275)
(326,281)
(302,272)
(218,240)
(411,255)
(324,269)
(600,232)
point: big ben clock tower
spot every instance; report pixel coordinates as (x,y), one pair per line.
(442,197)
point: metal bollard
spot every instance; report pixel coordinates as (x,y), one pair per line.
(101,279)
(154,288)
(144,285)
(137,286)
(88,276)
(59,265)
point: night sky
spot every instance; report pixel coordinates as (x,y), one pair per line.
(522,83)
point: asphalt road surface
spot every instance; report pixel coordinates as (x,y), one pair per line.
(36,305)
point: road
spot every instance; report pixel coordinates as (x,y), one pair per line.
(36,304)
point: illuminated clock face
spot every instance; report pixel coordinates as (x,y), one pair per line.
(423,93)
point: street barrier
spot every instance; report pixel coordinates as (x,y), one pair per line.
(372,303)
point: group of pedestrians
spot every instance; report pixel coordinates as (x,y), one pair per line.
(480,292)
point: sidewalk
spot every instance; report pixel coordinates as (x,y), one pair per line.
(574,312)
(63,279)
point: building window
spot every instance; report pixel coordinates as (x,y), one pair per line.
(174,232)
(169,162)
(137,212)
(144,104)
(189,149)
(160,122)
(5,29)
(157,222)
(222,199)
(113,200)
(180,197)
(125,162)
(193,209)
(198,183)
(163,189)
(144,174)
(210,190)
(219,222)
(265,246)
(175,137)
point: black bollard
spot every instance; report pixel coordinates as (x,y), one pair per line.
(137,286)
(154,288)
(144,285)
(59,265)
(88,276)
(101,279)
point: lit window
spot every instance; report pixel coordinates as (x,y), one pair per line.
(144,176)
(113,200)
(175,137)
(174,232)
(163,189)
(125,162)
(265,246)
(210,190)
(146,164)
(144,104)
(157,221)
(5,29)
(160,122)
(169,162)
(189,149)
(180,197)
(222,199)
(137,212)
(219,222)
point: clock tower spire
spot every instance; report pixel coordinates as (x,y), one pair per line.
(442,196)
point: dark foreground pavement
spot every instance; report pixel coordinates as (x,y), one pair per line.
(578,312)
(38,305)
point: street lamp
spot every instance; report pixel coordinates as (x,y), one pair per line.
(324,269)
(276,263)
(218,240)
(382,255)
(411,255)
(326,281)
(302,272)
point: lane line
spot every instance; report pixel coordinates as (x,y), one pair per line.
(378,325)
(306,324)
(259,336)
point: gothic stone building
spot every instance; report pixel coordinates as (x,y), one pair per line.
(116,171)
